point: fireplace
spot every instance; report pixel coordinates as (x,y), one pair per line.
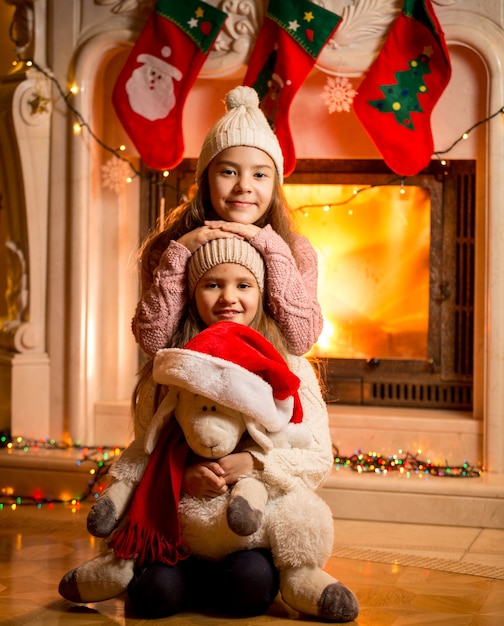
(396,275)
(77,241)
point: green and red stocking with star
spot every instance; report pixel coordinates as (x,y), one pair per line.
(289,42)
(395,100)
(152,87)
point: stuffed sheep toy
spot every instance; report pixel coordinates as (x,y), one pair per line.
(228,390)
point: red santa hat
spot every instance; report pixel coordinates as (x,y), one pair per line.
(236,366)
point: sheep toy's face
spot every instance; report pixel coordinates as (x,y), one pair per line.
(211,429)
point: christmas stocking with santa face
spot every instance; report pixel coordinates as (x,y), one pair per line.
(289,42)
(152,87)
(395,100)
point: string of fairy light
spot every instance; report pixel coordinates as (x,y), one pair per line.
(400,180)
(95,460)
(404,463)
(100,458)
(81,123)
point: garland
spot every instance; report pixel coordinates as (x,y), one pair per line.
(100,458)
(408,464)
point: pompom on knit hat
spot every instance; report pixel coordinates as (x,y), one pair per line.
(244,124)
(225,250)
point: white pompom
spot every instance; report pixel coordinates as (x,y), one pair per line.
(292,436)
(242,95)
(299,436)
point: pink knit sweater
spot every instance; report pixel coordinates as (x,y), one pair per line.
(291,293)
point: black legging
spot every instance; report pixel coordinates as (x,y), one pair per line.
(245,583)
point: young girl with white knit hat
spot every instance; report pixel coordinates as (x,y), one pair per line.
(239,194)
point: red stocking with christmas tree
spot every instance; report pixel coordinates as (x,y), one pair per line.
(395,100)
(289,42)
(153,85)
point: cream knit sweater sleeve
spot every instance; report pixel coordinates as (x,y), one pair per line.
(285,468)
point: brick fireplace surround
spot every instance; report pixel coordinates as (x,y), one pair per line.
(67,357)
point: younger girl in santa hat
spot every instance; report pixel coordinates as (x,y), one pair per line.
(239,178)
(226,282)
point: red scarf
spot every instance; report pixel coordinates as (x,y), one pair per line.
(151,532)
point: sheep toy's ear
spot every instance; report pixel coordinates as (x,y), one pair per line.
(160,418)
(258,433)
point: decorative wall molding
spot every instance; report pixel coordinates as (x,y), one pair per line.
(128,6)
(234,43)
(24,149)
(350,52)
(359,37)
(22,26)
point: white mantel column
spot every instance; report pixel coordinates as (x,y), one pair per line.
(24,154)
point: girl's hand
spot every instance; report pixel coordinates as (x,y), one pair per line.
(235,465)
(194,239)
(204,480)
(244,231)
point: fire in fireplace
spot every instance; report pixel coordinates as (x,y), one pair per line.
(396,275)
(373,246)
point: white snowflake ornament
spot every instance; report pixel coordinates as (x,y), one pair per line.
(115,173)
(338,94)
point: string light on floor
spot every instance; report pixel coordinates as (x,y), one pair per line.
(406,464)
(100,458)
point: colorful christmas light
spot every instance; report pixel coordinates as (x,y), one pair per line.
(100,457)
(406,464)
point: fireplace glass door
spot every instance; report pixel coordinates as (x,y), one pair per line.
(373,245)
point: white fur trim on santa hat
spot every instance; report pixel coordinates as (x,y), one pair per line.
(224,382)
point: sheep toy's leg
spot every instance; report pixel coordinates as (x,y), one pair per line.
(125,474)
(106,512)
(301,531)
(312,591)
(247,502)
(101,578)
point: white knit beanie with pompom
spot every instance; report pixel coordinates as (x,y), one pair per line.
(244,124)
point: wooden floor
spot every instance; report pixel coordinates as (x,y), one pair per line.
(402,574)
